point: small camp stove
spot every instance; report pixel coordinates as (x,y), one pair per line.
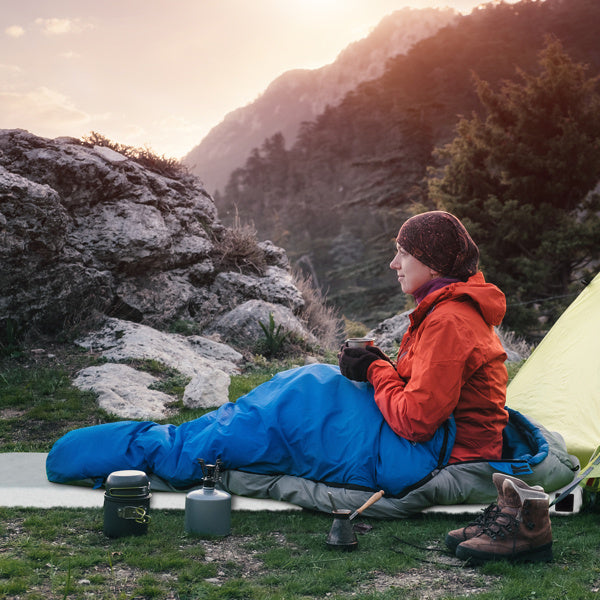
(208,510)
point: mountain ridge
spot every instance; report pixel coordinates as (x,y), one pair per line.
(301,94)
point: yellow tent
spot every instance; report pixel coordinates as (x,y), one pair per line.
(559,384)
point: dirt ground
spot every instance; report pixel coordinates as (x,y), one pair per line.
(441,576)
(438,575)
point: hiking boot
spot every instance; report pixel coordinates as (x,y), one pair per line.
(457,536)
(519,532)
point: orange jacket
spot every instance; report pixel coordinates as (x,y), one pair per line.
(450,362)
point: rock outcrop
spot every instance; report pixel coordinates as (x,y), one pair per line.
(90,238)
(131,393)
(87,231)
(119,340)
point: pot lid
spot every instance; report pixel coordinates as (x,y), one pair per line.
(127,478)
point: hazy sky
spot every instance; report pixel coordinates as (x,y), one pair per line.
(162,73)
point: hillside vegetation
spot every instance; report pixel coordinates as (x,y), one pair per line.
(336,198)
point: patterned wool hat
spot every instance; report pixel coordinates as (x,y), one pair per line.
(440,241)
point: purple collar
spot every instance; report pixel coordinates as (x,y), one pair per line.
(431,286)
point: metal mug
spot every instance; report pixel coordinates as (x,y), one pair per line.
(360,342)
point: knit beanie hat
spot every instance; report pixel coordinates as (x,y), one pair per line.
(440,241)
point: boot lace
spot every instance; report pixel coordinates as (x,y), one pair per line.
(488,515)
(502,525)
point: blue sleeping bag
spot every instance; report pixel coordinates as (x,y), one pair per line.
(310,422)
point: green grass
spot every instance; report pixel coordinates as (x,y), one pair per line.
(47,403)
(63,553)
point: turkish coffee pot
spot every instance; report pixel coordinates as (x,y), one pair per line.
(341,535)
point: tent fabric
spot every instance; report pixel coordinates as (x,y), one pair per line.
(559,384)
(310,422)
(304,433)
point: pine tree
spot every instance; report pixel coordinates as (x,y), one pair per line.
(521,177)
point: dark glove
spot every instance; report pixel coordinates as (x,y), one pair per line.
(380,354)
(354,362)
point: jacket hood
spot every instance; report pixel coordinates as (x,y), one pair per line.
(486,297)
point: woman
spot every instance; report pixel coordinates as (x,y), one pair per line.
(450,361)
(313,423)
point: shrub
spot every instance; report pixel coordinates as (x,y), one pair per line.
(170,167)
(320,319)
(9,338)
(237,248)
(274,340)
(354,328)
(515,343)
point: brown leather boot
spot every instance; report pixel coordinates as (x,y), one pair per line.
(457,536)
(520,532)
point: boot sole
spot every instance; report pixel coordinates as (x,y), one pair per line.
(452,543)
(541,554)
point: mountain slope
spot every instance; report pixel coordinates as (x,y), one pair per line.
(335,199)
(300,95)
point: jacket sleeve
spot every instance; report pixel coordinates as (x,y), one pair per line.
(416,408)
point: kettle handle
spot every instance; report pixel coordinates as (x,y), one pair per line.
(376,496)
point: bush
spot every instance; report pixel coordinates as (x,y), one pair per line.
(170,167)
(237,249)
(9,338)
(275,338)
(320,319)
(354,328)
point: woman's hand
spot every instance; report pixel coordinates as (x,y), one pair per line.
(354,362)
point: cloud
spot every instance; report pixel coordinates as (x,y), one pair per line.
(41,110)
(55,26)
(10,77)
(14,31)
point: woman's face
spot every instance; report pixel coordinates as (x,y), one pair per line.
(412,273)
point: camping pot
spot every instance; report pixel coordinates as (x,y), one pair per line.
(208,510)
(126,503)
(359,342)
(342,536)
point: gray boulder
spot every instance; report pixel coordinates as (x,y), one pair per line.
(275,287)
(388,334)
(127,392)
(85,230)
(242,324)
(119,340)
(208,389)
